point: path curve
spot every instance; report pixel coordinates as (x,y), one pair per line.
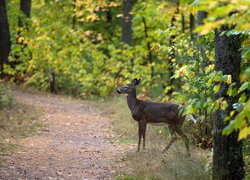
(76,143)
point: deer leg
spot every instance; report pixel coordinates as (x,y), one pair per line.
(185,139)
(140,132)
(144,126)
(173,139)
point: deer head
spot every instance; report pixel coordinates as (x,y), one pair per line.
(129,88)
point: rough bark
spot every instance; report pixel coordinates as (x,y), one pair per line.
(5,43)
(127,21)
(227,158)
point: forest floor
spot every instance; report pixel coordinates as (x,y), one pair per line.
(75,143)
(58,137)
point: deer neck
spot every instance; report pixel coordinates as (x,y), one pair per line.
(132,100)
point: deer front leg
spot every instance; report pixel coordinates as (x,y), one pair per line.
(140,131)
(144,127)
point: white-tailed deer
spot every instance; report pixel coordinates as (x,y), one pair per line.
(146,112)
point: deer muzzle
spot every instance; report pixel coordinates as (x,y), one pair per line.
(118,91)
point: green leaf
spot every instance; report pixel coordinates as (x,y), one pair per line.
(232,91)
(190,109)
(216,88)
(244,86)
(239,121)
(198,105)
(186,1)
(224,105)
(229,128)
(243,98)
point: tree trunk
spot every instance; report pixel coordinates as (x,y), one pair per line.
(201,15)
(227,158)
(127,21)
(182,23)
(25,7)
(52,81)
(74,16)
(191,26)
(5,43)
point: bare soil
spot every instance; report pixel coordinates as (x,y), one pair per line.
(76,142)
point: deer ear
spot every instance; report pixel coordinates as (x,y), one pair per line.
(136,81)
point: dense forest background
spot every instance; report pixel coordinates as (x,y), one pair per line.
(194,53)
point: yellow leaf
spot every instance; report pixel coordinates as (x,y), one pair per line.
(232,113)
(243,133)
(229,79)
(173,60)
(20,40)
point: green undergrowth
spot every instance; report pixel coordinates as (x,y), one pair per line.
(151,163)
(17,121)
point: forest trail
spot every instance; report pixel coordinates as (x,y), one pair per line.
(75,144)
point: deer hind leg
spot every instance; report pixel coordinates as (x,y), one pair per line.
(185,139)
(173,139)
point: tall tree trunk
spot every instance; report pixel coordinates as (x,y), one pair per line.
(25,7)
(74,16)
(5,43)
(109,15)
(191,26)
(182,23)
(52,81)
(201,15)
(227,158)
(127,21)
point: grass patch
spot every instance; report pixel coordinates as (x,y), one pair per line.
(152,164)
(5,99)
(16,121)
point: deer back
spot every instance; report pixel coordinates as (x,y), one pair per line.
(157,113)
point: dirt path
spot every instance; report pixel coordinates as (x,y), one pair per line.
(74,145)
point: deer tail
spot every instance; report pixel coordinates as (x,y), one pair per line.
(193,118)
